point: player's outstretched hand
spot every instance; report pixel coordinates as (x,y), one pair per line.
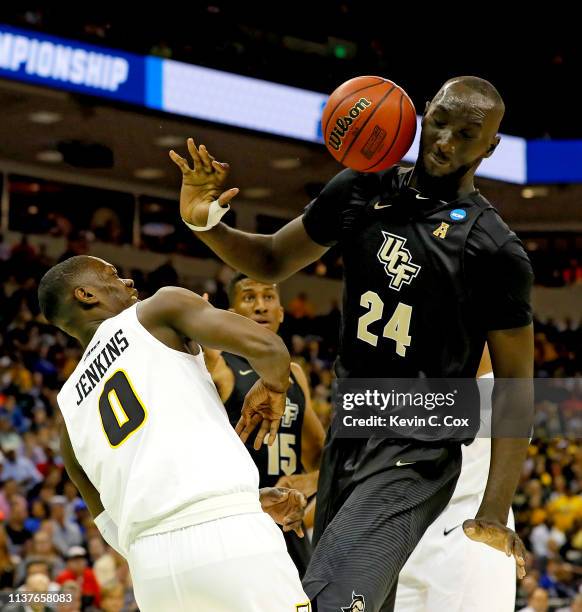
(265,406)
(202,184)
(285,506)
(498,536)
(306,483)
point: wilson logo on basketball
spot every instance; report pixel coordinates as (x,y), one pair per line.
(343,124)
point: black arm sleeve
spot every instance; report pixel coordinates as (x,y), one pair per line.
(505,281)
(323,216)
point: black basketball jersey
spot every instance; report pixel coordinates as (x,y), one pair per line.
(410,307)
(283,458)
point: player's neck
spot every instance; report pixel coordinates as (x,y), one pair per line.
(86,331)
(445,188)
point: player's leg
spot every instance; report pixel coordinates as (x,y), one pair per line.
(435,575)
(236,563)
(363,549)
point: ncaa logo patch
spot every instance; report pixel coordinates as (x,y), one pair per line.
(458,214)
(358,604)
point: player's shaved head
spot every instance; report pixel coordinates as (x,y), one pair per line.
(482,94)
(55,290)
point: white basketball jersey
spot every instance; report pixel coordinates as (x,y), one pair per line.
(148,427)
(477,455)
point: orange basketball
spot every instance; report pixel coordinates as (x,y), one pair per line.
(368,123)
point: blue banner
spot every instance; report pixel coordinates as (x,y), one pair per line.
(65,64)
(554,161)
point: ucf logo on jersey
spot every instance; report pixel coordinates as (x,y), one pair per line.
(397,261)
(291,412)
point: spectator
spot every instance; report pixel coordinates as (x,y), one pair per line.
(103,561)
(565,509)
(78,570)
(18,467)
(7,562)
(41,550)
(66,533)
(576,605)
(113,597)
(73,590)
(38,565)
(17,533)
(300,307)
(35,583)
(8,488)
(537,602)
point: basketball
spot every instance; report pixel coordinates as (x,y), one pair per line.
(368,123)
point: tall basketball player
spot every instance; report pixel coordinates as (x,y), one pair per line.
(431,273)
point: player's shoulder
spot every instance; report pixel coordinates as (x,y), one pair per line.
(490,233)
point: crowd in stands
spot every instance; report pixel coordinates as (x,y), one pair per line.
(48,541)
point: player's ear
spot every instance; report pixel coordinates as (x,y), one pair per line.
(281,314)
(492,146)
(85,295)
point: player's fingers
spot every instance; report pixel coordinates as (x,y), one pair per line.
(262,433)
(296,526)
(519,554)
(194,153)
(247,427)
(225,197)
(221,168)
(509,544)
(205,158)
(472,529)
(274,428)
(180,162)
(298,499)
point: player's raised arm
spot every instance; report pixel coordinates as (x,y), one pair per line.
(192,317)
(268,258)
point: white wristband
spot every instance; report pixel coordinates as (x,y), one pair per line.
(215,214)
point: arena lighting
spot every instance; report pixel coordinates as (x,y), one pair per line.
(45,117)
(148,173)
(50,156)
(234,100)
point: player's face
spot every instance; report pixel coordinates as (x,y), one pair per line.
(259,302)
(458,130)
(113,293)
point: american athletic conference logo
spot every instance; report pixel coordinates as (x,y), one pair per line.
(397,261)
